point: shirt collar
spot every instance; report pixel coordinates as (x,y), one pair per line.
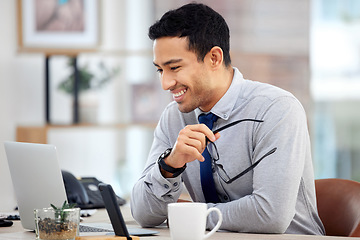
(225,105)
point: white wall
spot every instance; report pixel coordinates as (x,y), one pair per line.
(20,90)
(6,88)
(22,87)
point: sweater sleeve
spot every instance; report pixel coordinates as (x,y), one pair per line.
(152,192)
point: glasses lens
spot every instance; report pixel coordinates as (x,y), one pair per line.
(222,174)
(211,147)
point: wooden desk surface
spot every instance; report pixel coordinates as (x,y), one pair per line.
(17,232)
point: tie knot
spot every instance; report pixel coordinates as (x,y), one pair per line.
(208,119)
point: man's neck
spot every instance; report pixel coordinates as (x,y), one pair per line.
(224,80)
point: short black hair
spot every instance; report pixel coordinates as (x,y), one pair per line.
(204,28)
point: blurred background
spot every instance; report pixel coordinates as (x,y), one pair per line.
(310,48)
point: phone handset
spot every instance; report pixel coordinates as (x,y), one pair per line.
(75,191)
(85,192)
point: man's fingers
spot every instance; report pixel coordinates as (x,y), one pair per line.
(207,132)
(191,142)
(190,151)
(202,129)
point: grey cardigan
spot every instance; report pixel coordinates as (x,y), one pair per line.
(277,196)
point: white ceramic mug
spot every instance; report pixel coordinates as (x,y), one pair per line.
(188,221)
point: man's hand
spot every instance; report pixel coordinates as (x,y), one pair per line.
(189,146)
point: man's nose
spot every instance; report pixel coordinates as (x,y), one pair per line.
(167,81)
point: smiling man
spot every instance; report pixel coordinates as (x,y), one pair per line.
(193,83)
(238,145)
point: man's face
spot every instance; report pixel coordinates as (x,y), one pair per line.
(182,74)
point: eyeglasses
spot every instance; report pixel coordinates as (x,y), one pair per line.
(215,155)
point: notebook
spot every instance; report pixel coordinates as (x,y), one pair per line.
(37,181)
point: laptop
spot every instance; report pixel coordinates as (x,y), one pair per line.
(36,178)
(37,181)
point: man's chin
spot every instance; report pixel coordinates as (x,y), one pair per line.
(185,109)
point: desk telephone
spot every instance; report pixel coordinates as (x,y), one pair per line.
(85,192)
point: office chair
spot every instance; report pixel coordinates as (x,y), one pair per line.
(338,202)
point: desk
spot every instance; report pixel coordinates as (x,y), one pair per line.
(17,232)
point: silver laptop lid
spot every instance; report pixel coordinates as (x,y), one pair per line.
(36,178)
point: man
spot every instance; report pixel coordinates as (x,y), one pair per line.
(261,175)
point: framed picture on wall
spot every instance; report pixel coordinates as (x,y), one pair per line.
(58,26)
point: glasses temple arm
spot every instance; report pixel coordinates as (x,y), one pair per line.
(252,166)
(230,125)
(236,122)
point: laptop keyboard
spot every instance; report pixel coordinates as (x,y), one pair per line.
(83,228)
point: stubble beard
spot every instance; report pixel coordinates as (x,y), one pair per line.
(198,96)
(197,101)
(188,108)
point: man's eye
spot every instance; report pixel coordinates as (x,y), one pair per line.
(159,70)
(174,68)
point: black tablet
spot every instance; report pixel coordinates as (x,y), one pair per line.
(115,215)
(113,210)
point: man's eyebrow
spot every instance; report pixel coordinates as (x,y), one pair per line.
(168,62)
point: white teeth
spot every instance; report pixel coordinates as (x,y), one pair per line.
(179,93)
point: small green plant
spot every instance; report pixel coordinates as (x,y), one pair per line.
(60,214)
(87,79)
(62,225)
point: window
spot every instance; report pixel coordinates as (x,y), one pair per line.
(335,87)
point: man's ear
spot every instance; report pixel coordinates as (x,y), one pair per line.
(216,57)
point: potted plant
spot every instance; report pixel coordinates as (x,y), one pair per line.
(88,82)
(57,223)
(87,79)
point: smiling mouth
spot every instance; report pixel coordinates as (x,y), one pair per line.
(179,94)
